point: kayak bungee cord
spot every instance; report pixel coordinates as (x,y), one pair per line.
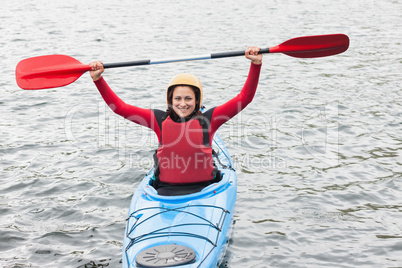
(160,233)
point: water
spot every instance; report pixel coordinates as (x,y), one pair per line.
(318,152)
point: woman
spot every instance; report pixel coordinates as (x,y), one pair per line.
(183,159)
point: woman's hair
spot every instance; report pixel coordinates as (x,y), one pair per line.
(170,112)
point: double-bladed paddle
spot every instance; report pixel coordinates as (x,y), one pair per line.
(60,70)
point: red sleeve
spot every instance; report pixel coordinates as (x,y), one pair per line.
(229,109)
(144,117)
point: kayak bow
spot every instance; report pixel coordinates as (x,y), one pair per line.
(188,230)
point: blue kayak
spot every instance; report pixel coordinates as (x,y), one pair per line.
(189,230)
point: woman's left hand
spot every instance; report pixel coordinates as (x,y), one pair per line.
(252,54)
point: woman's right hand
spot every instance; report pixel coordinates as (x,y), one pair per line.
(97,70)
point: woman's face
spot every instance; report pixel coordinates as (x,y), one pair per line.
(183,100)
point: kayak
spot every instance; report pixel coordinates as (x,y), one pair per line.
(190,230)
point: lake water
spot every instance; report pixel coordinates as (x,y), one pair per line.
(318,152)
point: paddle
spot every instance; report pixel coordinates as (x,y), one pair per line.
(59,70)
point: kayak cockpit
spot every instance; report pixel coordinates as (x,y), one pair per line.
(226,180)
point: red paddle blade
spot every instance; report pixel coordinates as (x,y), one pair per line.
(48,71)
(313,46)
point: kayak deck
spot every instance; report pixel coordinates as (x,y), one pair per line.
(200,221)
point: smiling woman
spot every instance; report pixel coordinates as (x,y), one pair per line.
(183,131)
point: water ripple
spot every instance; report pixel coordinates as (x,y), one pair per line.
(318,152)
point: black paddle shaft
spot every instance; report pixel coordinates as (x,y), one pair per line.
(235,53)
(211,56)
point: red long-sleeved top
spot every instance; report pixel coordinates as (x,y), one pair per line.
(221,113)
